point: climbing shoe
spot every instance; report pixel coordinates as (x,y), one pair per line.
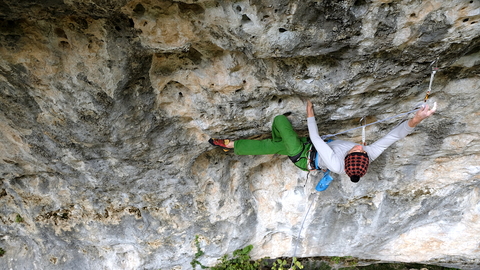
(220,143)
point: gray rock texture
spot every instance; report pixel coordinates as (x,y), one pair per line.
(106,107)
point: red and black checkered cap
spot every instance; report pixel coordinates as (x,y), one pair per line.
(356,164)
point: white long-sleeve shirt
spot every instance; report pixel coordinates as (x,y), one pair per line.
(332,155)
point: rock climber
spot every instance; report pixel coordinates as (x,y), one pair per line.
(314,153)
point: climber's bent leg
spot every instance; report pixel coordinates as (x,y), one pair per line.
(285,141)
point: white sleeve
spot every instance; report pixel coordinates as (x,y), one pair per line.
(374,150)
(324,151)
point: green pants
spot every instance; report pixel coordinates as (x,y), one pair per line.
(284,141)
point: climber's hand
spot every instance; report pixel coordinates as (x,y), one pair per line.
(310,112)
(423,113)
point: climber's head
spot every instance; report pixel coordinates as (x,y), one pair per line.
(356,163)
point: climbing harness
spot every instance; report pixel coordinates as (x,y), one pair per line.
(299,156)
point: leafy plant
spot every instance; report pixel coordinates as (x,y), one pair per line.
(348,260)
(279,264)
(18,218)
(2,252)
(240,260)
(283,264)
(198,254)
(336,260)
(296,264)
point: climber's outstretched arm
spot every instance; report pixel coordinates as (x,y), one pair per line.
(399,132)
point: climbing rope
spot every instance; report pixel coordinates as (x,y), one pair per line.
(300,231)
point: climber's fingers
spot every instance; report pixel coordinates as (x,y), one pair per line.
(434,107)
(425,111)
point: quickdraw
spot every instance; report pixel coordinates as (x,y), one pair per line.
(434,66)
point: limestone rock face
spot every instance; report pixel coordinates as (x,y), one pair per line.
(106,107)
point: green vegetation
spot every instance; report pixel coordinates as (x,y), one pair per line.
(18,218)
(2,252)
(282,264)
(398,266)
(347,261)
(241,260)
(335,260)
(198,254)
